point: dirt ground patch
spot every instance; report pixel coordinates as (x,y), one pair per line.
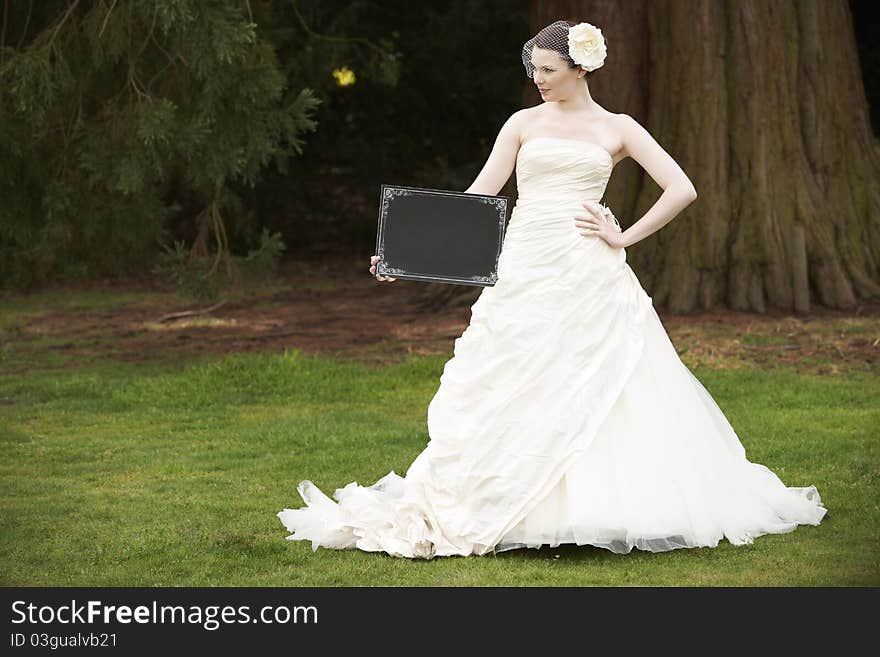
(336,307)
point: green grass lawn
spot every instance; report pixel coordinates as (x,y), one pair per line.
(171,473)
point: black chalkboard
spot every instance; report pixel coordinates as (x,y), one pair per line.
(440,236)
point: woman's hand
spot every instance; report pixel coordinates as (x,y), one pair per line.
(600,222)
(379,277)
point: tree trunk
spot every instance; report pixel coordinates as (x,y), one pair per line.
(763,105)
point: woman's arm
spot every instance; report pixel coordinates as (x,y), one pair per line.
(678,190)
(502,159)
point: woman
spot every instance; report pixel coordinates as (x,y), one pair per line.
(565,414)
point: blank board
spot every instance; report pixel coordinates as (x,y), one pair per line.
(440,236)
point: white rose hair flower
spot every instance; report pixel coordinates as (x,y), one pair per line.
(586,46)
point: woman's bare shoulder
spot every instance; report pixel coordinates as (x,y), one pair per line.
(521,119)
(525,115)
(529,117)
(623,122)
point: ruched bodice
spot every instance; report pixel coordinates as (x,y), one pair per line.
(549,168)
(555,177)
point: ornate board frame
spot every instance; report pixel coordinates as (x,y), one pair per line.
(417,225)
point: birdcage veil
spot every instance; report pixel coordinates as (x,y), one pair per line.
(552,37)
(556,37)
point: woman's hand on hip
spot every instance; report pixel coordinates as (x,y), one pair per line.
(599,221)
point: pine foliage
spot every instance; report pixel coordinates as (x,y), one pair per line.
(111,111)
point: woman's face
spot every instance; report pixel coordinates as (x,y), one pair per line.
(554,79)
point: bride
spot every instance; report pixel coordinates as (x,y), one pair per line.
(565,414)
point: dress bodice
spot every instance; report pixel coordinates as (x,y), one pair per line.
(558,168)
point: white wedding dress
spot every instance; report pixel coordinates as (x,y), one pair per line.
(565,414)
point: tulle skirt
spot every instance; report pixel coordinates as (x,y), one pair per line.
(665,471)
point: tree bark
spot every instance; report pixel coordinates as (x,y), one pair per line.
(762,104)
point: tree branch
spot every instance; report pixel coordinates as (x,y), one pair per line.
(3,34)
(61,23)
(310,32)
(106,18)
(190,313)
(27,22)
